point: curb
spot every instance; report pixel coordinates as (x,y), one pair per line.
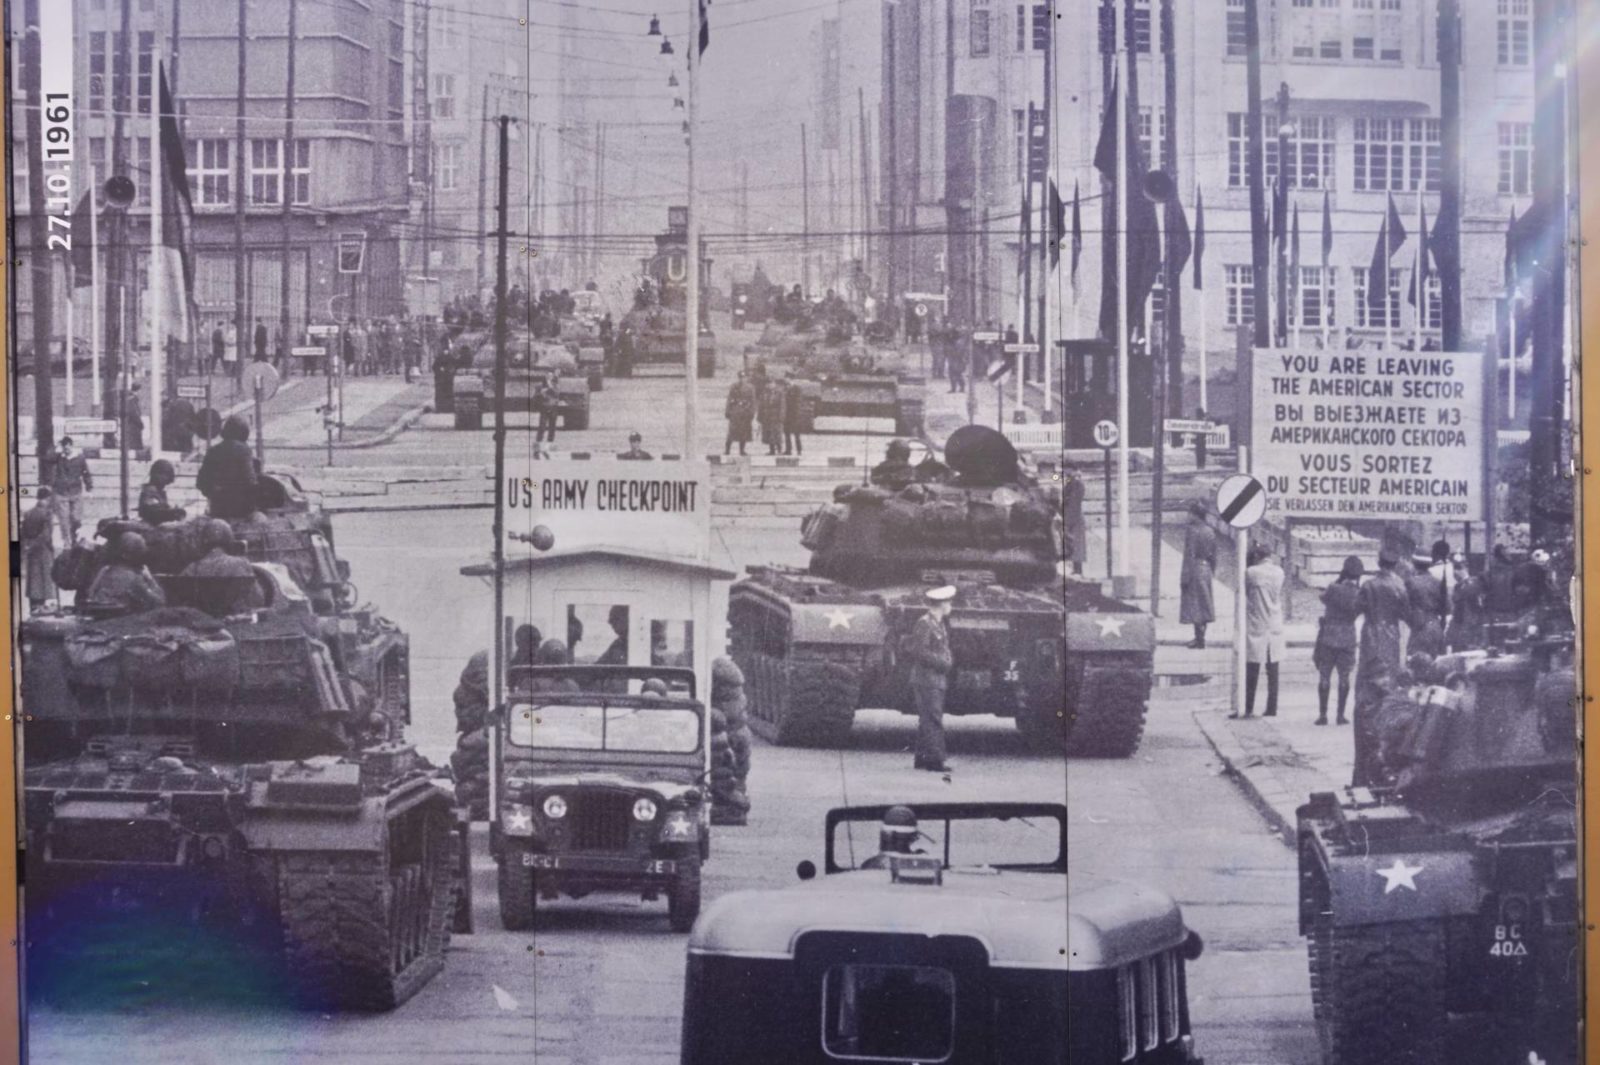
(1267,795)
(401,424)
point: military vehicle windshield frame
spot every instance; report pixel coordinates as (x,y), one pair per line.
(947,814)
(605,726)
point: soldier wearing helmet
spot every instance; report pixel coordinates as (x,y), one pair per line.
(228,477)
(125,586)
(895,471)
(897,834)
(222,563)
(153,506)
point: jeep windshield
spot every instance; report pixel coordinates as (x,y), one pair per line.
(570,726)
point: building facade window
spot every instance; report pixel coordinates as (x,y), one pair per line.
(1241,295)
(1396,154)
(142,172)
(447,167)
(210,176)
(300,172)
(146,61)
(1514,33)
(1307,311)
(444,96)
(1363,48)
(1238,34)
(1330,48)
(1152,135)
(1368,317)
(1310,158)
(1041,27)
(1141,27)
(1435,304)
(97,72)
(979,32)
(266,172)
(1516,158)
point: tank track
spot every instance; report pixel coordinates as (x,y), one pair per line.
(805,700)
(1381,992)
(363,933)
(1105,704)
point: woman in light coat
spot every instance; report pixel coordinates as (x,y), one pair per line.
(1264,643)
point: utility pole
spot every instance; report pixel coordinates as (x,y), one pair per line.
(1046,233)
(691,302)
(1260,252)
(239,188)
(422,43)
(497,645)
(284,324)
(805,215)
(866,187)
(1173,346)
(889,140)
(1551,28)
(117,256)
(39,258)
(1446,236)
(483,188)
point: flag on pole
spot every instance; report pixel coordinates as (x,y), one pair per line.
(177,220)
(1025,230)
(1280,213)
(1390,237)
(1511,255)
(705,27)
(1199,236)
(1058,223)
(1077,234)
(82,246)
(1179,243)
(1144,234)
(1419,276)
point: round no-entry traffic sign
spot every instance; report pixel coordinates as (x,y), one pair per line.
(261,375)
(1106,433)
(1241,501)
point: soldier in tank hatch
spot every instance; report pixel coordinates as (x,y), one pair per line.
(228,477)
(153,506)
(1384,607)
(125,586)
(895,471)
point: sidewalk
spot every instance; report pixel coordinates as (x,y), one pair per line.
(1278,762)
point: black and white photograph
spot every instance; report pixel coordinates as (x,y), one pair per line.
(505,492)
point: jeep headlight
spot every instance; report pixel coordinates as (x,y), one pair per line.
(516,819)
(555,807)
(644,809)
(679,827)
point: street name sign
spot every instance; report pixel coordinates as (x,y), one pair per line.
(87,426)
(308,351)
(1021,349)
(1106,433)
(1241,501)
(191,391)
(985,336)
(1396,435)
(322,330)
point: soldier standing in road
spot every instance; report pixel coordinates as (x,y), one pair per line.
(792,422)
(1264,644)
(1384,607)
(957,365)
(1466,628)
(636,449)
(261,340)
(1336,637)
(928,648)
(1429,605)
(1073,524)
(38,556)
(545,401)
(771,412)
(1196,606)
(740,410)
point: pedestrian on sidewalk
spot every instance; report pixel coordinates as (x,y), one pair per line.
(260,338)
(793,418)
(1200,442)
(219,348)
(1264,644)
(70,481)
(740,410)
(133,419)
(1196,605)
(1384,607)
(38,554)
(1335,649)
(958,364)
(928,649)
(230,352)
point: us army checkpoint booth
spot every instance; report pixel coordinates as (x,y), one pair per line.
(627,576)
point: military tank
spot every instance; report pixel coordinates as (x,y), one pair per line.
(1070,664)
(232,766)
(842,376)
(1439,905)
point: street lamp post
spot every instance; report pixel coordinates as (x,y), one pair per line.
(691,303)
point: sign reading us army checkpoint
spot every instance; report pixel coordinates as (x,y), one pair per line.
(661,506)
(1370,434)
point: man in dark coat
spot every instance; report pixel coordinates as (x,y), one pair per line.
(38,556)
(928,649)
(260,338)
(1073,526)
(793,416)
(1429,606)
(771,413)
(1466,628)
(1335,649)
(227,477)
(1196,606)
(1384,607)
(740,410)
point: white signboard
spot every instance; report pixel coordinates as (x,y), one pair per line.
(1393,435)
(191,391)
(660,506)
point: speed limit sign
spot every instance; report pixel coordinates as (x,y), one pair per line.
(1106,433)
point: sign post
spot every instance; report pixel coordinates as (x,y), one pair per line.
(982,336)
(1106,434)
(1241,501)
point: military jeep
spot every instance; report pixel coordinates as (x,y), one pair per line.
(599,783)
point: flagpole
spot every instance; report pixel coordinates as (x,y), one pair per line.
(1416,274)
(1383,293)
(158,270)
(72,281)
(94,291)
(1123,516)
(1200,275)
(691,303)
(1296,304)
(1511,367)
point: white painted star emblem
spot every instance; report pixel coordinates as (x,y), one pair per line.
(1110,626)
(1399,875)
(838,618)
(517,821)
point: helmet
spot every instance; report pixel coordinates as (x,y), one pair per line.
(654,686)
(552,653)
(1540,557)
(725,670)
(898,830)
(163,470)
(899,449)
(131,547)
(219,533)
(236,428)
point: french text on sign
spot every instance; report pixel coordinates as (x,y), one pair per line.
(1106,433)
(1241,500)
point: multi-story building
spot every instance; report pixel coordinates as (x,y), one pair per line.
(1362,125)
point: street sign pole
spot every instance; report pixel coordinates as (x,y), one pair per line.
(207,418)
(260,425)
(1107,452)
(1241,547)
